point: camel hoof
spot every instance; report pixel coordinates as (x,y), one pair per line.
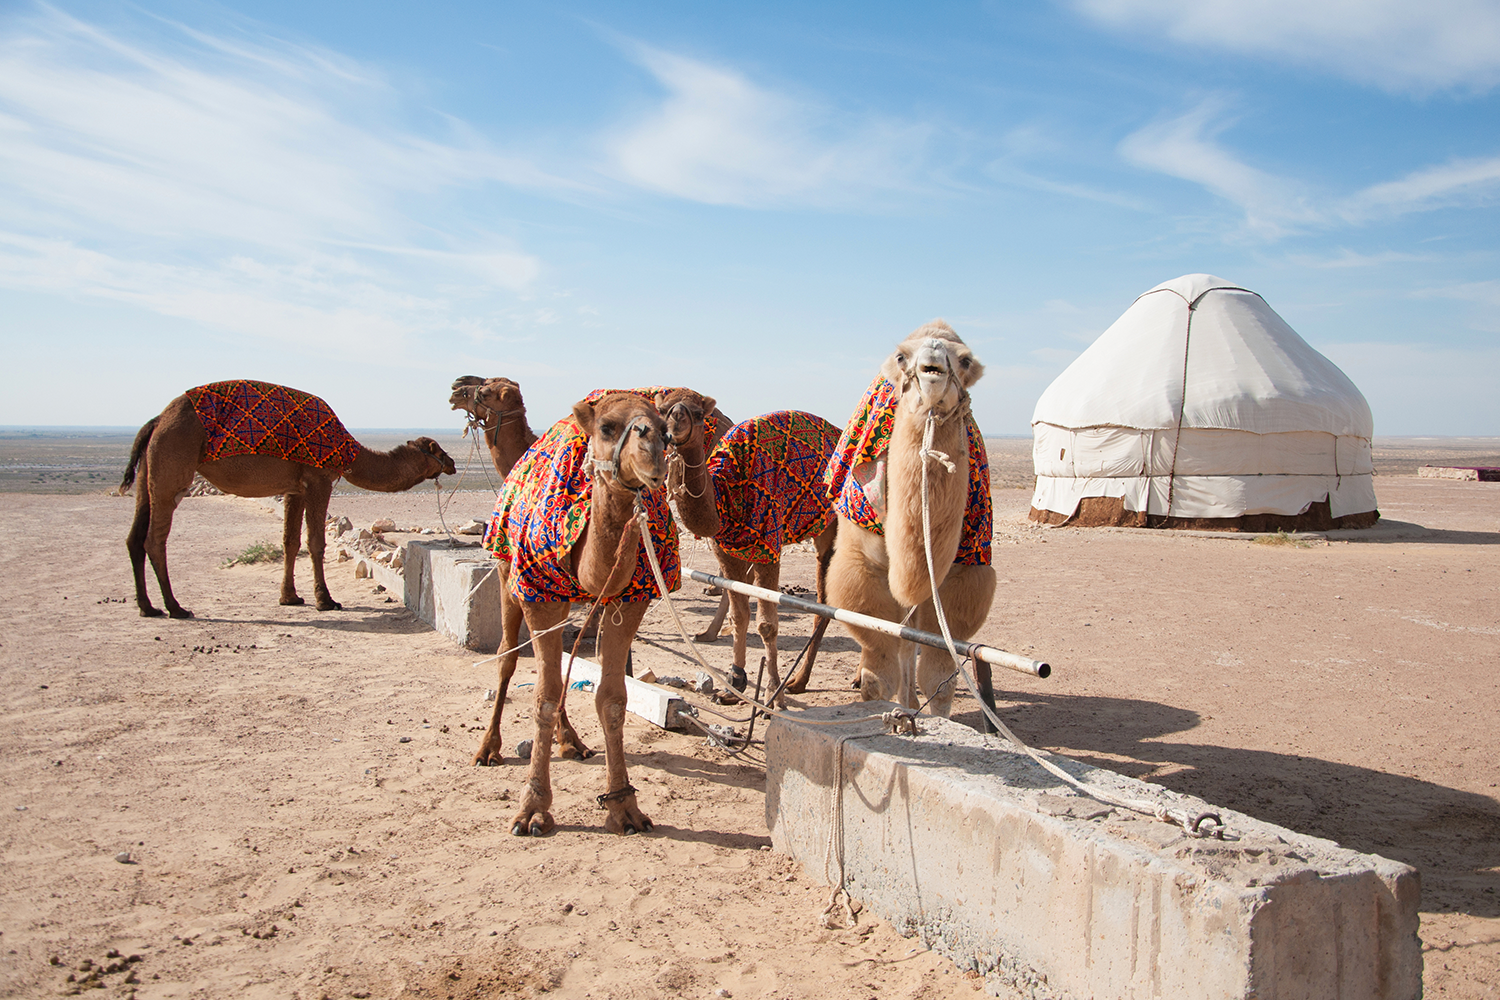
(485,759)
(739,680)
(329,605)
(152,612)
(705,637)
(575,753)
(292,602)
(179,613)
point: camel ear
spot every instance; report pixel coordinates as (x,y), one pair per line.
(894,368)
(583,412)
(709,406)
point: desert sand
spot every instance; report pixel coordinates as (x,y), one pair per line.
(281,840)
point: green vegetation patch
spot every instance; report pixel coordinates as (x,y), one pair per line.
(258,553)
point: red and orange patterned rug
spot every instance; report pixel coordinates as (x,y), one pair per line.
(768,481)
(866,439)
(242,417)
(541,511)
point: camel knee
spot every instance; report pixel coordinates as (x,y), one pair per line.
(967,595)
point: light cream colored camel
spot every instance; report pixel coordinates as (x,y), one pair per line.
(702,507)
(497,408)
(885,575)
(170,448)
(627,435)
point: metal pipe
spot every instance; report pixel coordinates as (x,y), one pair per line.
(977,650)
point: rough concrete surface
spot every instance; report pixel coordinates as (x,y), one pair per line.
(967,842)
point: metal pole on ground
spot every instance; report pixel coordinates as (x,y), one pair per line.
(977,651)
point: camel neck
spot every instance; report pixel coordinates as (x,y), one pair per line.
(603,569)
(392,471)
(508,438)
(697,503)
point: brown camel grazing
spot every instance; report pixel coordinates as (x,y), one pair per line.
(255,439)
(564,530)
(762,491)
(879,565)
(496,407)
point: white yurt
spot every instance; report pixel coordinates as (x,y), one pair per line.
(1201,408)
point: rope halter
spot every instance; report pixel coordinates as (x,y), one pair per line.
(611,466)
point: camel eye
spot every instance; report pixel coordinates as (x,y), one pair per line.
(900,359)
(964,362)
(608,429)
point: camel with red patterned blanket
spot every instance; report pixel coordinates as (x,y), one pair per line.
(564,530)
(495,407)
(879,565)
(255,439)
(757,492)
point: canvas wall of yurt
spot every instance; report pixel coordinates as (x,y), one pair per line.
(1201,408)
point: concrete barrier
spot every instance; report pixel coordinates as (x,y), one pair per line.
(446,584)
(960,839)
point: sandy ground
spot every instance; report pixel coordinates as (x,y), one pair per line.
(284,842)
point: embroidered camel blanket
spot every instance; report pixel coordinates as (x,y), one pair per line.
(541,511)
(649,392)
(768,482)
(242,417)
(856,479)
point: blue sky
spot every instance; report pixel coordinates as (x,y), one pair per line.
(365,200)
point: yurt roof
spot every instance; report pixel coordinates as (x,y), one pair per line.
(1246,369)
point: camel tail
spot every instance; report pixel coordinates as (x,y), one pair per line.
(142,438)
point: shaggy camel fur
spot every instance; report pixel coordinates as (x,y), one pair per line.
(495,405)
(725,497)
(621,460)
(884,573)
(172,446)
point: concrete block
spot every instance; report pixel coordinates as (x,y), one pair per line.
(453,588)
(961,839)
(652,702)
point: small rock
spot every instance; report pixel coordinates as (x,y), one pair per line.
(339,525)
(672,682)
(398,559)
(361,571)
(365,534)
(703,683)
(523,750)
(490,693)
(470,528)
(123,857)
(384,524)
(404,739)
(722,992)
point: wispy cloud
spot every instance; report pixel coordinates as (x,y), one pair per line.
(1186,147)
(239,180)
(718,137)
(1394,45)
(1460,182)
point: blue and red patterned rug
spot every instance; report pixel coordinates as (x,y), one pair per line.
(768,481)
(242,417)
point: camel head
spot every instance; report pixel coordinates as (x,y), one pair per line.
(488,401)
(684,411)
(438,462)
(933,370)
(627,440)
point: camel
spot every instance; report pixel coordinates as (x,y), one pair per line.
(590,470)
(757,492)
(879,565)
(255,439)
(496,407)
(713,423)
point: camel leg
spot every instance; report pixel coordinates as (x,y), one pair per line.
(768,576)
(625,815)
(510,635)
(291,544)
(135,544)
(570,745)
(966,593)
(535,815)
(738,571)
(317,544)
(711,633)
(857,581)
(165,487)
(823,544)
